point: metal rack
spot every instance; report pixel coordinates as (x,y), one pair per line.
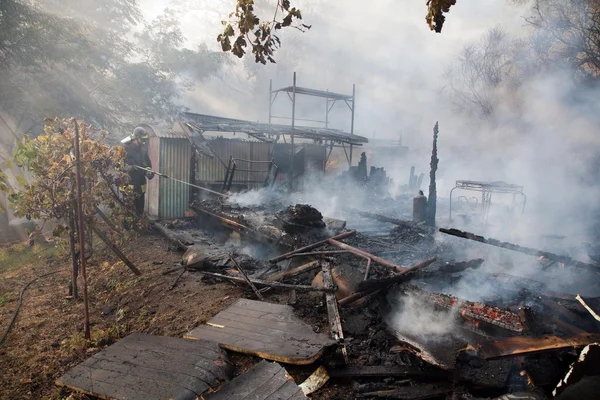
(487,189)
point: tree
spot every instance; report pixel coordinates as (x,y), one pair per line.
(83,63)
(50,195)
(485,72)
(570,32)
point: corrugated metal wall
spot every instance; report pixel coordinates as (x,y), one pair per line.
(212,171)
(175,161)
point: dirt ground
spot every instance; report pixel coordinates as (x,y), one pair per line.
(47,339)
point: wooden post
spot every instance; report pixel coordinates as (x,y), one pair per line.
(81,232)
(73,289)
(116,250)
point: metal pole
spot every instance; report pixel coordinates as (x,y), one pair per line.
(350,159)
(81,233)
(353,107)
(352,122)
(270,98)
(293,152)
(327,111)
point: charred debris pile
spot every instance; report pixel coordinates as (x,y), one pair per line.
(407,315)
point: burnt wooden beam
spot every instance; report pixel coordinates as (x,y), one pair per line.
(364,254)
(294,271)
(263,283)
(174,283)
(335,321)
(404,276)
(310,247)
(374,287)
(417,392)
(525,250)
(248,281)
(432,199)
(589,304)
(180,242)
(481,315)
(236,226)
(526,345)
(379,371)
(390,220)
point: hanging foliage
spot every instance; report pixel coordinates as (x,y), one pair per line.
(246,28)
(435,13)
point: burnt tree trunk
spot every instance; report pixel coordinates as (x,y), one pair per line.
(431,202)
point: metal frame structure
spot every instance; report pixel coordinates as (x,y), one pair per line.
(486,189)
(330,99)
(265,132)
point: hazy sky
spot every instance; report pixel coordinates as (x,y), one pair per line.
(388,51)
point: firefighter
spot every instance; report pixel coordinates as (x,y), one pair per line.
(137,155)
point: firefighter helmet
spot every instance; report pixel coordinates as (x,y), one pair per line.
(139,133)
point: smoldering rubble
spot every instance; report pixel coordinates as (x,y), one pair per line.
(402,311)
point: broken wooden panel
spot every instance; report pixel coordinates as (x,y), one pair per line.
(523,345)
(592,305)
(144,367)
(267,330)
(436,349)
(265,380)
(315,381)
(586,364)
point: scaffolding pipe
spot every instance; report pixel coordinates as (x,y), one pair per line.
(292,152)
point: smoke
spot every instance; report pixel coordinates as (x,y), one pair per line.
(414,318)
(542,133)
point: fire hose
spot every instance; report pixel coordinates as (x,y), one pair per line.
(180,181)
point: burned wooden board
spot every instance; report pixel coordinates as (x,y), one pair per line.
(586,365)
(380,371)
(592,305)
(417,392)
(439,350)
(267,330)
(265,380)
(146,367)
(526,345)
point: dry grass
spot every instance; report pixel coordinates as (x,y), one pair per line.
(48,339)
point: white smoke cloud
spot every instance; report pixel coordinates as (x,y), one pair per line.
(397,64)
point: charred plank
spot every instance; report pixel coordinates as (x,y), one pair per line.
(526,250)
